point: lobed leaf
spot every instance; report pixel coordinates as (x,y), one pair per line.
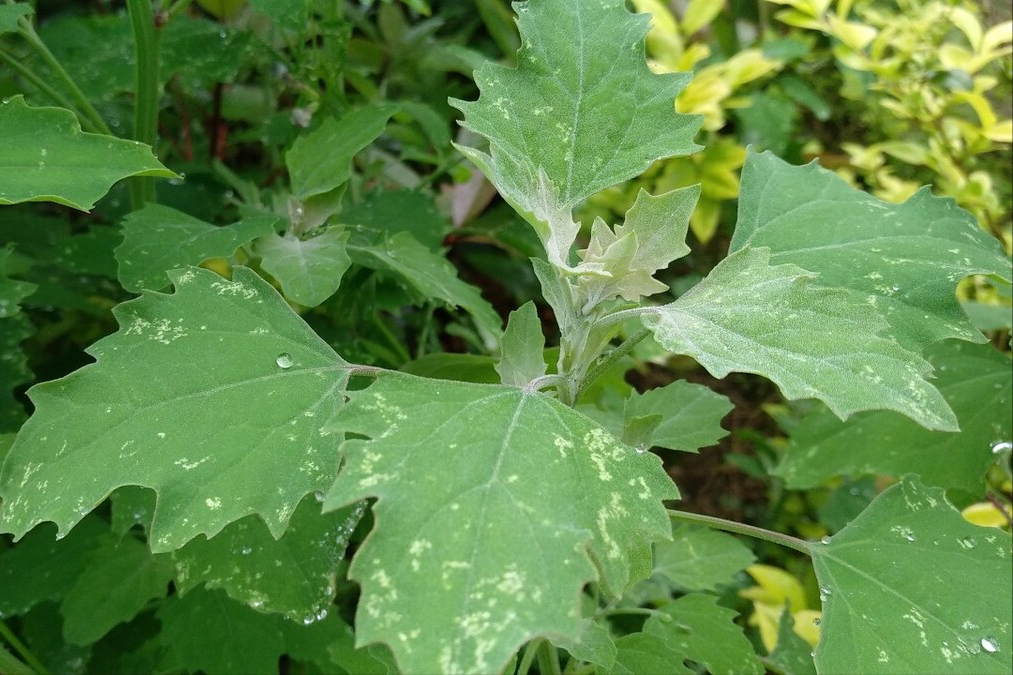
(470,555)
(158,238)
(903,259)
(910,585)
(699,558)
(47,158)
(689,415)
(214,397)
(976,382)
(309,270)
(751,316)
(643,653)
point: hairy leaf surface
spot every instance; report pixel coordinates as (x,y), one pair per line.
(47,158)
(470,555)
(751,316)
(572,118)
(158,238)
(690,413)
(522,350)
(910,585)
(903,259)
(309,270)
(974,379)
(213,396)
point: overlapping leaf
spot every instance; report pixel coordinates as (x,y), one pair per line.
(699,558)
(689,415)
(157,239)
(751,316)
(309,270)
(910,587)
(573,117)
(974,379)
(903,259)
(11,14)
(471,556)
(48,158)
(213,396)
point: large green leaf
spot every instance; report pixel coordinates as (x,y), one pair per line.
(690,415)
(705,632)
(122,576)
(213,396)
(974,379)
(580,112)
(321,161)
(432,275)
(47,158)
(157,239)
(911,587)
(699,558)
(471,556)
(751,316)
(309,270)
(294,575)
(904,259)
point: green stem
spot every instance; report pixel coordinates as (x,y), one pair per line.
(528,657)
(741,528)
(42,86)
(12,665)
(26,655)
(548,659)
(27,32)
(142,20)
(178,7)
(398,348)
(608,360)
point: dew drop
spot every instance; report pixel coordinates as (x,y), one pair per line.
(817,621)
(1001,446)
(641,449)
(967,542)
(284,360)
(246,550)
(318,495)
(825,540)
(825,593)
(990,644)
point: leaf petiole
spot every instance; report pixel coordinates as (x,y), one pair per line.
(786,540)
(26,655)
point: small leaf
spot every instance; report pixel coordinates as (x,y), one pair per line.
(47,158)
(294,576)
(699,558)
(661,224)
(793,655)
(309,270)
(213,396)
(974,379)
(646,654)
(690,413)
(522,345)
(570,120)
(903,259)
(911,587)
(468,542)
(321,160)
(705,632)
(594,644)
(122,576)
(10,15)
(750,316)
(157,239)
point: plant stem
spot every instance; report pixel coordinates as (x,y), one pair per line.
(142,20)
(548,659)
(42,86)
(178,7)
(26,655)
(741,528)
(27,32)
(608,360)
(12,665)
(527,657)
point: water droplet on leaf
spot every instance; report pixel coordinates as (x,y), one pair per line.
(825,540)
(1000,447)
(284,360)
(990,644)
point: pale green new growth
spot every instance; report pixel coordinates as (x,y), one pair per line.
(47,158)
(523,346)
(309,270)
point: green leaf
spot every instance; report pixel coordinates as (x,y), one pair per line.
(705,632)
(661,224)
(523,347)
(976,382)
(14,329)
(695,422)
(47,158)
(321,160)
(699,558)
(10,14)
(903,259)
(286,14)
(571,119)
(121,577)
(646,654)
(792,655)
(493,559)
(214,397)
(463,367)
(206,631)
(432,275)
(12,291)
(309,270)
(391,211)
(911,587)
(157,239)
(42,567)
(594,644)
(295,575)
(751,316)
